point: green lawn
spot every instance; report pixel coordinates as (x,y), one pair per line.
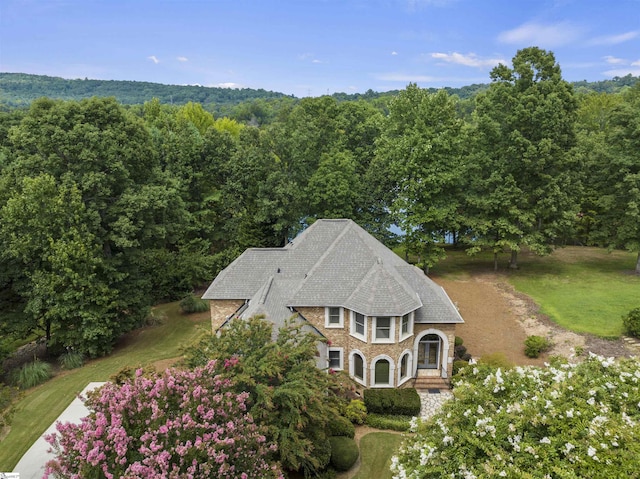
(40,406)
(376,450)
(581,288)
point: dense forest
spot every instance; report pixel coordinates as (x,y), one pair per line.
(107,208)
(20,89)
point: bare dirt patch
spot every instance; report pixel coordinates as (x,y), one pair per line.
(499,319)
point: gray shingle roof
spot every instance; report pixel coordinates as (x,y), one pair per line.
(332,263)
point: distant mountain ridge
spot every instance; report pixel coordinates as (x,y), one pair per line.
(20,89)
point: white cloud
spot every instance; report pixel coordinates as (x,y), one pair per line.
(394,53)
(620,72)
(305,56)
(614,60)
(614,39)
(182,59)
(636,63)
(153,59)
(469,60)
(538,34)
(316,61)
(227,85)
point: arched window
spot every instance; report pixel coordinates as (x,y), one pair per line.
(382,371)
(358,367)
(404,366)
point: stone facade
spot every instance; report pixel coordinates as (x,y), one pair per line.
(341,338)
(221,309)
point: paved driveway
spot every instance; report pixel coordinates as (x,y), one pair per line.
(31,465)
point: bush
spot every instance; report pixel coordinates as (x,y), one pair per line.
(534,345)
(341,426)
(388,421)
(570,420)
(631,323)
(458,364)
(32,374)
(496,360)
(71,360)
(458,341)
(344,452)
(356,411)
(392,401)
(191,304)
(127,436)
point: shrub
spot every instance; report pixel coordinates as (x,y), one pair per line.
(631,323)
(496,360)
(344,452)
(569,420)
(458,341)
(392,401)
(34,373)
(341,426)
(389,421)
(174,424)
(191,304)
(458,364)
(356,411)
(71,360)
(534,345)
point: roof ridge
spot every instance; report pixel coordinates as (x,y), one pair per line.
(329,248)
(266,289)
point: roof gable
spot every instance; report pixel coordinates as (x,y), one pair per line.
(331,263)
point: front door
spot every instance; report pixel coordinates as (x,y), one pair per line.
(429,352)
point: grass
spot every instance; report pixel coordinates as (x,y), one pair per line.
(583,289)
(376,450)
(40,406)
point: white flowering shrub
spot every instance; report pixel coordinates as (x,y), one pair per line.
(562,421)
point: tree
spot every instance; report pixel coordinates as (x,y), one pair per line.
(174,424)
(422,145)
(524,191)
(288,394)
(593,125)
(334,189)
(46,239)
(98,159)
(566,420)
(618,203)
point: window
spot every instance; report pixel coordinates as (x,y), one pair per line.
(406,326)
(333,317)
(358,367)
(382,372)
(335,358)
(384,326)
(404,366)
(359,326)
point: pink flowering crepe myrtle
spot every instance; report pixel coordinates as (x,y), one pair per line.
(178,424)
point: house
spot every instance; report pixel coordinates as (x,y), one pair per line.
(385,322)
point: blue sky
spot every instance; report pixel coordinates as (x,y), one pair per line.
(314,47)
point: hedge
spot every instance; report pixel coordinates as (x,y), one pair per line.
(390,422)
(392,401)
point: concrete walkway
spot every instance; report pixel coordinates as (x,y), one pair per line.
(31,465)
